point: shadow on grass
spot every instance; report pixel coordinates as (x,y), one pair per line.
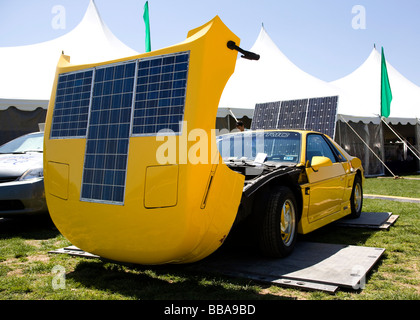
(168,282)
(39,227)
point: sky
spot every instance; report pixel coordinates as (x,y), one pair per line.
(328,39)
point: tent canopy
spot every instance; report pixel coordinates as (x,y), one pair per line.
(360,94)
(275,78)
(272,78)
(27,72)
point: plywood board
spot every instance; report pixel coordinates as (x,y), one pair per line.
(373,220)
(311,266)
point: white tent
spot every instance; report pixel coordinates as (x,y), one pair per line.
(360,94)
(272,78)
(27,72)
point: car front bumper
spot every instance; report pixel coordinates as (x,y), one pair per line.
(22,197)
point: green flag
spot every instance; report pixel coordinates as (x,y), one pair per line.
(386,94)
(148,46)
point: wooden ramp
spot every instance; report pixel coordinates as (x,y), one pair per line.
(312,266)
(372,220)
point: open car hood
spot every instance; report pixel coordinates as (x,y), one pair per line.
(113,184)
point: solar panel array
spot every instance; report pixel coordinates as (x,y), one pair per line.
(108,104)
(318,114)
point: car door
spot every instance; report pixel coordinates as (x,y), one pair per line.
(327,183)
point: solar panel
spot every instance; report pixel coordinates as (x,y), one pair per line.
(321,115)
(72,104)
(292,114)
(160,94)
(265,115)
(318,114)
(108,135)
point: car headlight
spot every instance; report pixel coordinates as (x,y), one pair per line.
(32,174)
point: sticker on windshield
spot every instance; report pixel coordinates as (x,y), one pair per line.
(288,158)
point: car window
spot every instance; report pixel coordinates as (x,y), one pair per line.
(317,146)
(280,146)
(26,143)
(338,153)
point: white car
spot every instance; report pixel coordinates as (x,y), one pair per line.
(22,176)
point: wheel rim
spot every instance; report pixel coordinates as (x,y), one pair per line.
(288,222)
(357,201)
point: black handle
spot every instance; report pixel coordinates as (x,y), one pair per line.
(245,54)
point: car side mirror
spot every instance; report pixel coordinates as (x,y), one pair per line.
(356,163)
(318,162)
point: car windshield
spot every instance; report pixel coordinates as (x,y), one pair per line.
(27,143)
(277,146)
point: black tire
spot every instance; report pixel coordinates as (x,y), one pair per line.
(356,198)
(277,237)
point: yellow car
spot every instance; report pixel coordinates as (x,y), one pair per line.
(295,182)
(132,172)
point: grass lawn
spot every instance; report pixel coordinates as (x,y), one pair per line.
(28,272)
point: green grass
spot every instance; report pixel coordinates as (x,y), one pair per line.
(404,187)
(26,267)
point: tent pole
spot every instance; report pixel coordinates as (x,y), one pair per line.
(342,118)
(401,139)
(230,111)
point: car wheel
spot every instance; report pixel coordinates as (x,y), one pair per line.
(278,230)
(356,199)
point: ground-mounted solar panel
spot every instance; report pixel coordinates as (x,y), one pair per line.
(292,114)
(108,135)
(160,94)
(318,114)
(321,116)
(72,100)
(265,115)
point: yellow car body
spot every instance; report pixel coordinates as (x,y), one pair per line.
(322,176)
